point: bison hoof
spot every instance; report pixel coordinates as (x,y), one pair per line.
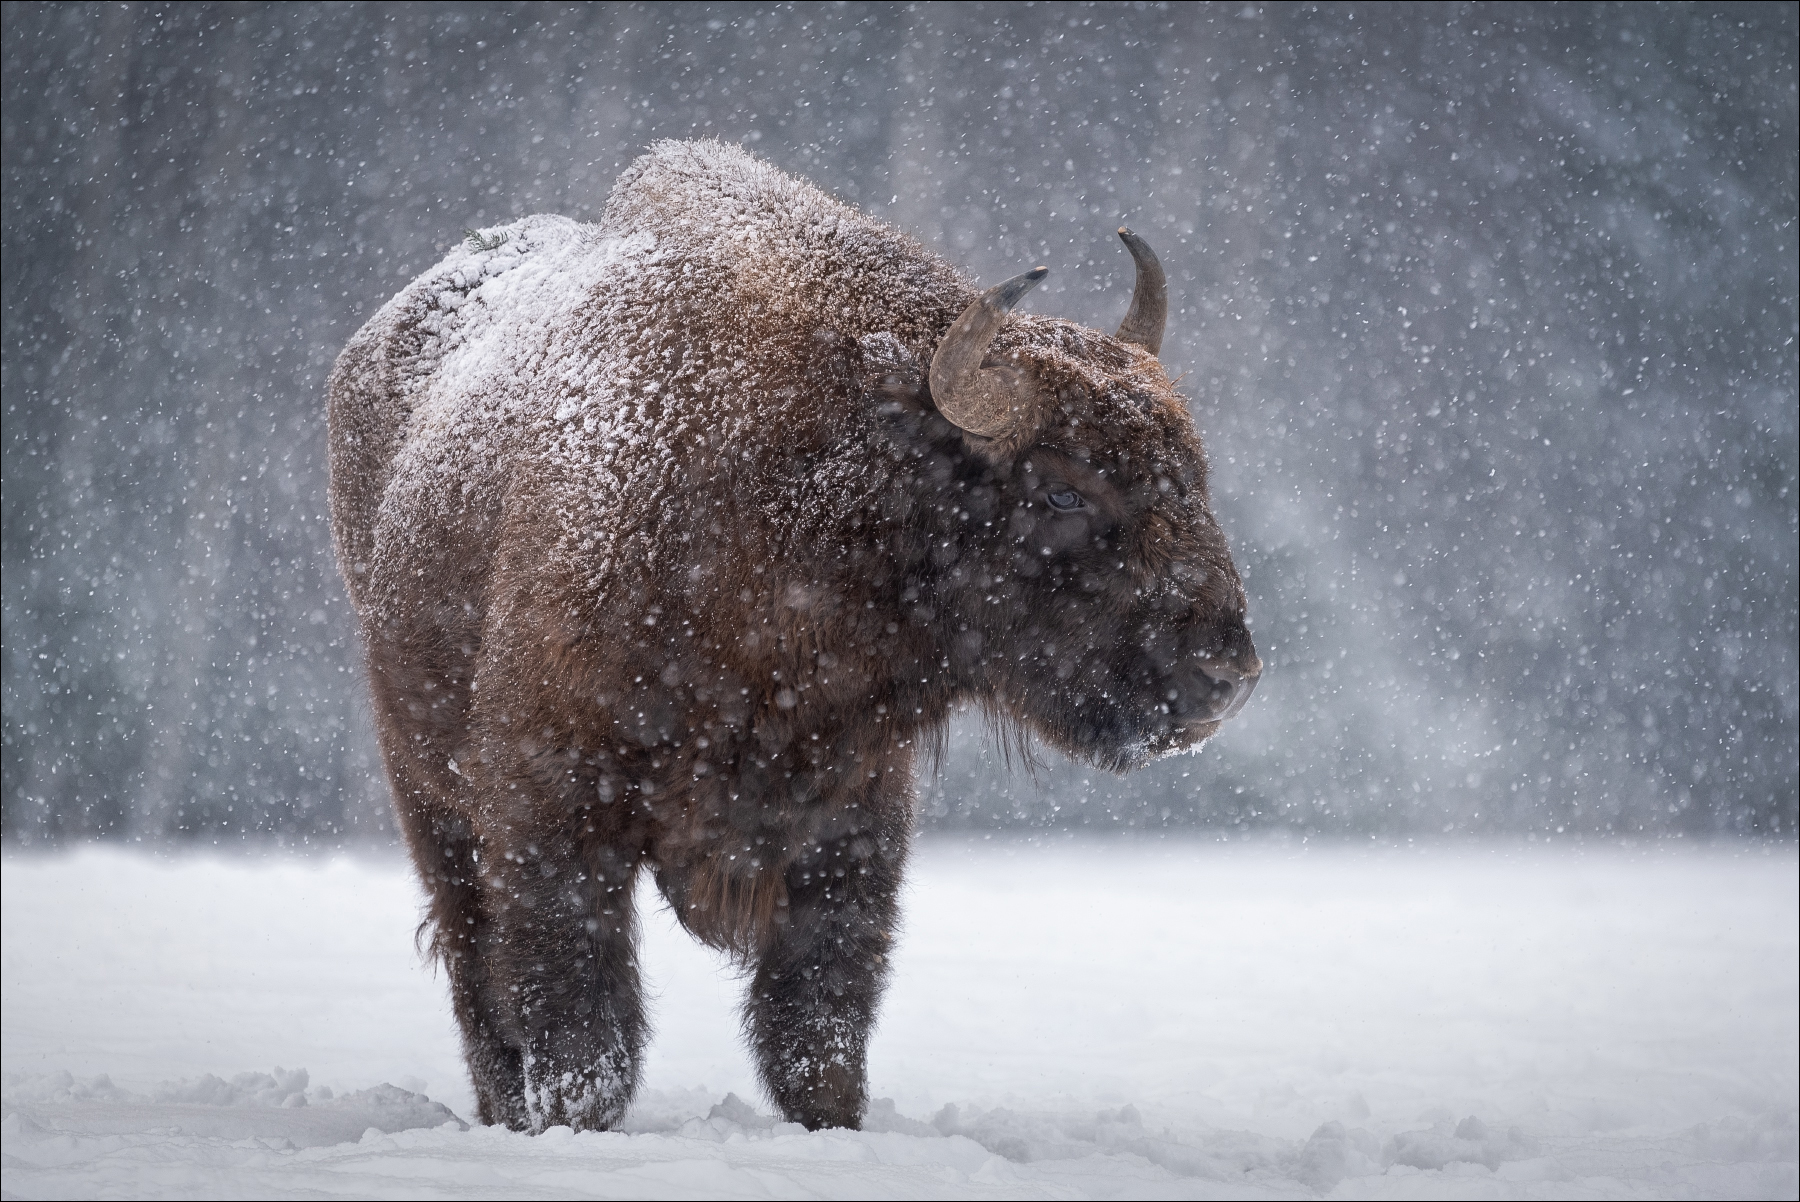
(591,1098)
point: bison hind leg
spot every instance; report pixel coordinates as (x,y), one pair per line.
(563,961)
(455,933)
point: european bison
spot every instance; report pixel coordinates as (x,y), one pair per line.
(673,536)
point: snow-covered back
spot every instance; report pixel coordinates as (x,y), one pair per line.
(595,363)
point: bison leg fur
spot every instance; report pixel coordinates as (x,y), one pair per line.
(461,936)
(444,852)
(564,958)
(812,1001)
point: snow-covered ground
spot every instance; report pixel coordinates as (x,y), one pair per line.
(1068,1019)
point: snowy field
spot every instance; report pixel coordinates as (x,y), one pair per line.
(1068,1019)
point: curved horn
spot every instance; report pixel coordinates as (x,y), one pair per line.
(985,403)
(1149,310)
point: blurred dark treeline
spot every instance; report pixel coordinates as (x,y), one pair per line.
(1488,314)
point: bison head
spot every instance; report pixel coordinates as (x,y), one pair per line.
(1075,573)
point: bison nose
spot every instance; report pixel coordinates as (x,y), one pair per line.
(1220,688)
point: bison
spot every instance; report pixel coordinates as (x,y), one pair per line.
(671,539)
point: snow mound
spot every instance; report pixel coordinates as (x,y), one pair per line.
(276,1108)
(280,1088)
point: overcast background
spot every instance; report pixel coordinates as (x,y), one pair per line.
(1487,313)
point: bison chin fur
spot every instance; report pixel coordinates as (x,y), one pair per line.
(675,538)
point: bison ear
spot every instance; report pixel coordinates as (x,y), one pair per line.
(890,376)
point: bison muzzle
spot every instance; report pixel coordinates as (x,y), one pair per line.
(671,538)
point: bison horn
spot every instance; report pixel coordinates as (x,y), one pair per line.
(990,402)
(1149,310)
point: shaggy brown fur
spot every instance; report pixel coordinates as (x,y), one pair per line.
(664,558)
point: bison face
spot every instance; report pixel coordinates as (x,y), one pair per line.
(1112,619)
(1081,579)
(1093,595)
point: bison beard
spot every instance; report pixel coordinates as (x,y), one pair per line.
(671,538)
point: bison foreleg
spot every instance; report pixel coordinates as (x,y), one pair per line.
(812,1001)
(565,955)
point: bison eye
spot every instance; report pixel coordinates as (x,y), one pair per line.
(1065,500)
